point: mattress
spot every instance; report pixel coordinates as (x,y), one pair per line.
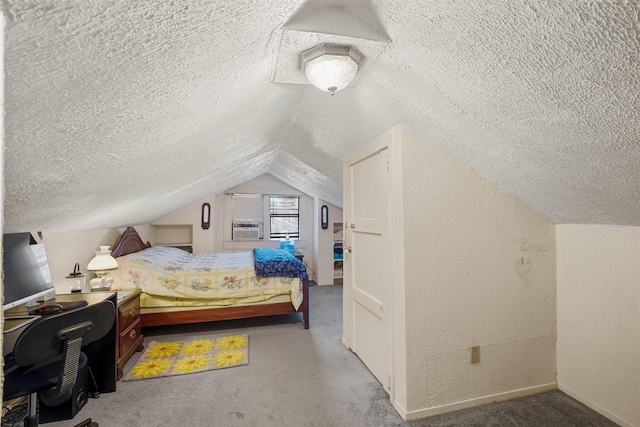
(172,277)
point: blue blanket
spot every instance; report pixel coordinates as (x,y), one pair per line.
(271,262)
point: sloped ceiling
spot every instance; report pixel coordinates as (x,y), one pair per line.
(120,112)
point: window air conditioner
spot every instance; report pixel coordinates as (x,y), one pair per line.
(247,230)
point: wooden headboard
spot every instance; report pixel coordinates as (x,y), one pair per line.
(129,243)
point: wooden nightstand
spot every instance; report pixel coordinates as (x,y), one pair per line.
(129,328)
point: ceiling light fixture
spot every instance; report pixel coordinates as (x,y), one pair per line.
(330,67)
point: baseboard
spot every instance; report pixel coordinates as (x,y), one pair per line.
(437,410)
(594,406)
(400,409)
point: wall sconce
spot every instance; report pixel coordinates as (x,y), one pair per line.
(324,217)
(206,216)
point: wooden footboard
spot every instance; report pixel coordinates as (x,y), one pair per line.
(229,313)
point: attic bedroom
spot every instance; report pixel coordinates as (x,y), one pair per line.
(459,214)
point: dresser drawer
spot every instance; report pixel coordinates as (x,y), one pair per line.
(129,313)
(129,336)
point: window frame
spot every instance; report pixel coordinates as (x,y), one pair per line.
(271,216)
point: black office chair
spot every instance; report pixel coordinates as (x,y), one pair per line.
(46,356)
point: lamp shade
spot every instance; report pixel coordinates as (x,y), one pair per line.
(330,67)
(103,261)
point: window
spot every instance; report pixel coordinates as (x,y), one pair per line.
(247,216)
(284,217)
(247,207)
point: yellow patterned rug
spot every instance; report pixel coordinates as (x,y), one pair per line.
(162,359)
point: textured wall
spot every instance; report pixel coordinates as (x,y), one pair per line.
(479,270)
(599,318)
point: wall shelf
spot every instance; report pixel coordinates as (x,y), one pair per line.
(174,235)
(337,253)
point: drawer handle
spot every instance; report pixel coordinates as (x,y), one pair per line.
(132,334)
(132,313)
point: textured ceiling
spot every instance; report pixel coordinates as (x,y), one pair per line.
(120,112)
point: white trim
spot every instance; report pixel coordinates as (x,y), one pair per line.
(450,407)
(396,243)
(595,407)
(400,409)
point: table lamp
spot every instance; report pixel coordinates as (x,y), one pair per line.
(102,264)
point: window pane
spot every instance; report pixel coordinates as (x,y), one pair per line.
(284,205)
(281,226)
(284,217)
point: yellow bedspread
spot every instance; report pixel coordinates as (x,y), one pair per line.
(180,278)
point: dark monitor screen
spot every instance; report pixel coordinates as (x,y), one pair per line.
(25,268)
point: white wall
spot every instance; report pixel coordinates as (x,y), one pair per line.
(65,249)
(267,185)
(599,318)
(191,216)
(479,270)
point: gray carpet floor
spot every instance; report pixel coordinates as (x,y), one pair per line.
(297,377)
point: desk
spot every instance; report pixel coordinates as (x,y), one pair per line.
(101,354)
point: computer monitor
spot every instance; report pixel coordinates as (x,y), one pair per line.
(26,269)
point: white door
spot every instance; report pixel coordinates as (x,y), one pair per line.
(368,289)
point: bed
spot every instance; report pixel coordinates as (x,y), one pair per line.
(179,288)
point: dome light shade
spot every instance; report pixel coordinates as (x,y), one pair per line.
(330,67)
(103,260)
